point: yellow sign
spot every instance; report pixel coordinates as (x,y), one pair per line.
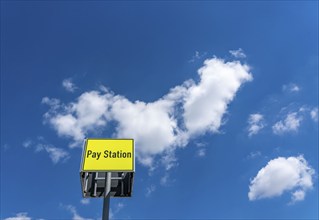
(108,155)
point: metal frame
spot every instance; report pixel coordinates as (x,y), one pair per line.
(91,181)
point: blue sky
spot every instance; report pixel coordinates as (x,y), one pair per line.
(220,97)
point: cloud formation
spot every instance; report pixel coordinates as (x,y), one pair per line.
(281,175)
(68,85)
(290,124)
(254,154)
(187,111)
(150,190)
(197,56)
(75,214)
(85,201)
(291,88)
(255,124)
(201,152)
(56,154)
(314,114)
(19,216)
(238,53)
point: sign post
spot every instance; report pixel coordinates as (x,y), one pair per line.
(107,170)
(106,200)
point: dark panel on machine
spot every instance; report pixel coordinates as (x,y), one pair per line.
(93,184)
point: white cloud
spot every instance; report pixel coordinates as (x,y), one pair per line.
(150,124)
(238,53)
(164,179)
(167,179)
(291,88)
(69,85)
(169,160)
(197,56)
(67,125)
(27,143)
(150,190)
(298,195)
(292,174)
(118,207)
(53,103)
(290,124)
(255,124)
(85,201)
(56,154)
(314,114)
(75,120)
(158,127)
(19,216)
(254,155)
(75,214)
(200,144)
(201,152)
(111,215)
(115,210)
(206,102)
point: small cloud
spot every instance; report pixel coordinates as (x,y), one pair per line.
(197,56)
(51,102)
(291,87)
(119,206)
(19,216)
(254,155)
(104,89)
(282,175)
(115,210)
(255,124)
(201,152)
(27,143)
(69,85)
(111,214)
(169,160)
(85,201)
(54,105)
(314,114)
(150,190)
(166,180)
(200,144)
(298,195)
(238,53)
(290,124)
(73,211)
(56,154)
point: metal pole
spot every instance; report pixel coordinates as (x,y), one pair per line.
(95,184)
(106,200)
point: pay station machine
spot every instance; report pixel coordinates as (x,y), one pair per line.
(107,169)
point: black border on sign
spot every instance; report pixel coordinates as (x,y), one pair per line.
(84,151)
